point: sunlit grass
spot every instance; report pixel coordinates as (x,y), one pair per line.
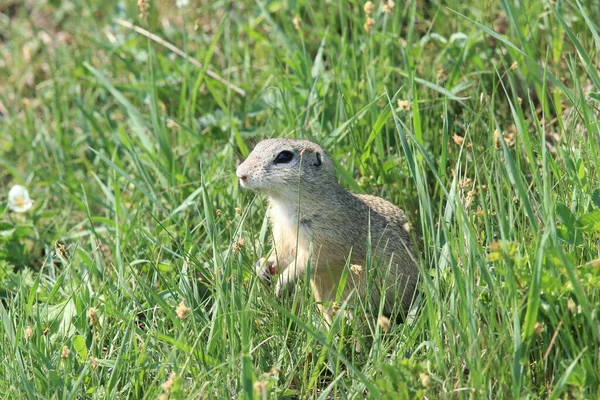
(132,274)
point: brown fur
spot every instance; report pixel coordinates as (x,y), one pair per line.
(307,206)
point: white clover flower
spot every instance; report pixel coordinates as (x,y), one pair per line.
(19,200)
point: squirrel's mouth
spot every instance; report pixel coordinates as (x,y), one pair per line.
(247,183)
(252,184)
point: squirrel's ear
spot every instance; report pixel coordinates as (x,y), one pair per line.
(318,161)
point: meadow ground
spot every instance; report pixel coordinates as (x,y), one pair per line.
(132,274)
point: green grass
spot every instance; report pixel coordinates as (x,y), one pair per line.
(129,152)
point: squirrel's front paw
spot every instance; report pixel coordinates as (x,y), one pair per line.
(265,269)
(284,286)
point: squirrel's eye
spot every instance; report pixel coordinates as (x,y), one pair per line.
(284,157)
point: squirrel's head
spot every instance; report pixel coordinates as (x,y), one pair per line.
(283,167)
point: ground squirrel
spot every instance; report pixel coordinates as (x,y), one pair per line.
(319,225)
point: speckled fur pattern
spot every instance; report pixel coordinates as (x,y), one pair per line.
(308,206)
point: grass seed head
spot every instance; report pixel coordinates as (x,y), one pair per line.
(369,23)
(168,385)
(143,7)
(388,6)
(92,316)
(404,105)
(384,323)
(65,352)
(425,380)
(458,139)
(28,334)
(572,306)
(539,328)
(260,387)
(356,269)
(182,310)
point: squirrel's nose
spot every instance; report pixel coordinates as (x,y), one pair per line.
(242,175)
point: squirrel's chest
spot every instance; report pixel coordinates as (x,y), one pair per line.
(288,231)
